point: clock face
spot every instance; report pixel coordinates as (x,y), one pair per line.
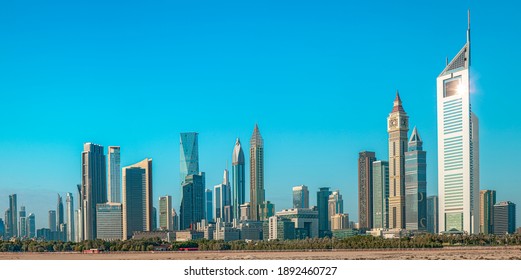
(404,122)
(393,123)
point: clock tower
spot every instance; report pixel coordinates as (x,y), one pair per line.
(397,127)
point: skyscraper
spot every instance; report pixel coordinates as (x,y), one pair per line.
(238,179)
(208,194)
(458,157)
(487,200)
(416,184)
(13,209)
(175,220)
(22,224)
(137,198)
(31,226)
(165,213)
(110,221)
(192,203)
(380,194)
(114,174)
(323,211)
(256,173)
(365,189)
(222,198)
(300,197)
(335,205)
(52,220)
(189,155)
(397,127)
(432,214)
(504,218)
(59,212)
(69,211)
(93,186)
(7,223)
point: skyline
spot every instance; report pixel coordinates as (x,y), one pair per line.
(48,145)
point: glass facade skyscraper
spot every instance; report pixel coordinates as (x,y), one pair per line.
(193,201)
(208,194)
(380,194)
(13,219)
(238,179)
(487,200)
(504,218)
(22,224)
(416,184)
(222,198)
(300,197)
(114,174)
(432,214)
(189,155)
(323,211)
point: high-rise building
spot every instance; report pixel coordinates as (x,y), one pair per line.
(110,221)
(504,218)
(245,212)
(93,187)
(154,218)
(415,184)
(458,156)
(59,213)
(31,226)
(222,198)
(300,197)
(323,211)
(114,174)
(189,155)
(335,205)
(487,200)
(13,209)
(8,224)
(52,220)
(22,223)
(339,221)
(256,173)
(208,194)
(380,194)
(69,211)
(175,220)
(266,210)
(137,198)
(78,218)
(165,213)
(432,214)
(238,179)
(2,229)
(192,208)
(365,189)
(397,127)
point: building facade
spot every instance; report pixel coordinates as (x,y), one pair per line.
(69,216)
(335,205)
(300,197)
(208,194)
(110,221)
(222,198)
(192,208)
(339,221)
(432,214)
(365,189)
(323,211)
(238,179)
(256,173)
(31,226)
(380,194)
(22,223)
(165,213)
(487,200)
(114,174)
(458,145)
(137,198)
(13,210)
(305,220)
(415,184)
(189,155)
(504,218)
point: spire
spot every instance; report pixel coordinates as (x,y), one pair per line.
(397,104)
(468,36)
(462,59)
(415,141)
(256,138)
(238,154)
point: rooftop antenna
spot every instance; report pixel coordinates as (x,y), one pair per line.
(468,34)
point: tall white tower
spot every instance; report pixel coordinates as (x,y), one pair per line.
(458,162)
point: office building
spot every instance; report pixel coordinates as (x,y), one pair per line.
(335,205)
(52,221)
(22,224)
(13,210)
(432,214)
(192,208)
(114,174)
(300,197)
(222,198)
(93,187)
(238,179)
(189,155)
(397,127)
(266,210)
(7,224)
(208,194)
(365,189)
(458,146)
(339,221)
(31,226)
(256,173)
(137,198)
(487,200)
(323,211)
(276,228)
(175,220)
(245,212)
(380,194)
(504,218)
(69,211)
(2,229)
(415,184)
(110,221)
(305,220)
(165,213)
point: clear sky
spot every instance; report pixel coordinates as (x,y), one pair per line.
(319,79)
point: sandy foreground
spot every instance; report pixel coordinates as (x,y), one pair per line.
(454,253)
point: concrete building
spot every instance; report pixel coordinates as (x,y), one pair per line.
(238,179)
(380,194)
(110,221)
(245,212)
(487,200)
(365,189)
(114,174)
(397,127)
(250,230)
(339,221)
(305,220)
(165,213)
(93,187)
(415,184)
(256,173)
(458,147)
(432,214)
(277,228)
(300,197)
(266,210)
(323,211)
(137,198)
(504,218)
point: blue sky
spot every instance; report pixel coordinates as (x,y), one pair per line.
(318,78)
